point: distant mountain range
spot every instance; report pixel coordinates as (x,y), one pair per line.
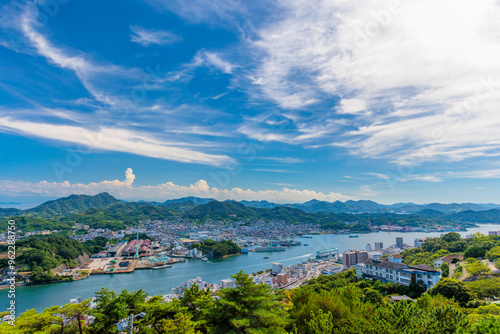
(104,206)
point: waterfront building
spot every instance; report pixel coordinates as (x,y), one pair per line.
(379,246)
(327,254)
(368,248)
(277,267)
(116,249)
(399,273)
(399,242)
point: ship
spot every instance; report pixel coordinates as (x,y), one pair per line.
(204,259)
(244,250)
(269,249)
(306,244)
(307,236)
(354,236)
(266,257)
(163,266)
(290,243)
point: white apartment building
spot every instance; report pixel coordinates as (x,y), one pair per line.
(227,284)
(399,273)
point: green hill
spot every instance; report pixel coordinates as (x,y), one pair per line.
(119,215)
(71,205)
(221,211)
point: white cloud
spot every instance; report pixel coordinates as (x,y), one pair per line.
(366,192)
(89,73)
(206,58)
(285,160)
(146,37)
(113,139)
(160,192)
(421,79)
(379,175)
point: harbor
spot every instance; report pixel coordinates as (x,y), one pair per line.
(160,282)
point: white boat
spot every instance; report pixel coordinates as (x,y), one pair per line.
(163,266)
(204,259)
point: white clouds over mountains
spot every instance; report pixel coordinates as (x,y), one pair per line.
(161,192)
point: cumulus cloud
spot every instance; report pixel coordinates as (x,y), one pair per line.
(147,37)
(160,192)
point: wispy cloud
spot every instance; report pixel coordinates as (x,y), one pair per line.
(270,170)
(87,71)
(207,58)
(113,139)
(168,190)
(285,160)
(147,37)
(410,89)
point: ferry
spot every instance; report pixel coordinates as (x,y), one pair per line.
(270,249)
(354,236)
(163,266)
(266,257)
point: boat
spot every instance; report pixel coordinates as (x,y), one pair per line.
(163,266)
(354,236)
(204,259)
(290,243)
(266,257)
(306,244)
(244,250)
(270,249)
(307,236)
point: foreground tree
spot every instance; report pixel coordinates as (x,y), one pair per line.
(248,308)
(453,289)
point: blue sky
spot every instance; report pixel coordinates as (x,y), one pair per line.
(393,101)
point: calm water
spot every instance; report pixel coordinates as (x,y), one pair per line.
(157,282)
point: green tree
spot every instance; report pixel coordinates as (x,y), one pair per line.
(248,308)
(475,251)
(453,289)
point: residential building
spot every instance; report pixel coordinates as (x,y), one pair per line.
(447,259)
(399,273)
(227,284)
(399,242)
(349,259)
(396,258)
(277,267)
(282,279)
(368,248)
(379,246)
(419,241)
